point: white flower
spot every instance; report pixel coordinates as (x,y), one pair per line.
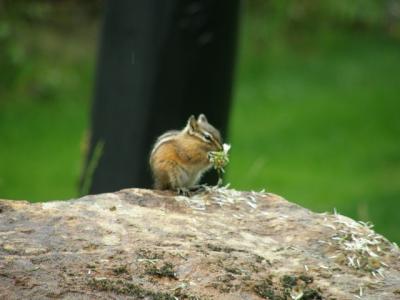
(226,147)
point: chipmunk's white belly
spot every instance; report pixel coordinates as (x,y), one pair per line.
(192,178)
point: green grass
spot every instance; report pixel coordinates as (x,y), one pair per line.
(318,122)
(40,150)
(315,119)
(44,115)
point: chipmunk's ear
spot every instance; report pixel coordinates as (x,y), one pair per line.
(202,119)
(192,124)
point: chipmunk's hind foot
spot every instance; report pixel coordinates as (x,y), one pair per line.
(183,192)
(199,188)
(193,190)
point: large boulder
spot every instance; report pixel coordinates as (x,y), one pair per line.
(218,244)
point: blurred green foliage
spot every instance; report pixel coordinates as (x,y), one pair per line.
(284,16)
(47,54)
(315,116)
(29,29)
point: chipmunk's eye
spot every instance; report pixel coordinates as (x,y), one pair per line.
(207,136)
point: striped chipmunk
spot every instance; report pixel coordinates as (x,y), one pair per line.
(179,158)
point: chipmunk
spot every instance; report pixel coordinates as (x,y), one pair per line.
(179,158)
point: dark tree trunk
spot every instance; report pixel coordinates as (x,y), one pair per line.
(159,62)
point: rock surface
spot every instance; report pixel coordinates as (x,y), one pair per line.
(219,244)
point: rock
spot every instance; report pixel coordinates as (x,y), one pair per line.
(219,244)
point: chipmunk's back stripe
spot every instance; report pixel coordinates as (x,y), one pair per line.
(169,135)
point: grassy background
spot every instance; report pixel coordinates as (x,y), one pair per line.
(316,119)
(315,115)
(46,76)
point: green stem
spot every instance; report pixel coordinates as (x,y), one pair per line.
(94,161)
(219,183)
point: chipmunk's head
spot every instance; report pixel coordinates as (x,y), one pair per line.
(205,132)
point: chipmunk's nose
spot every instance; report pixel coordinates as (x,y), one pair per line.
(219,145)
